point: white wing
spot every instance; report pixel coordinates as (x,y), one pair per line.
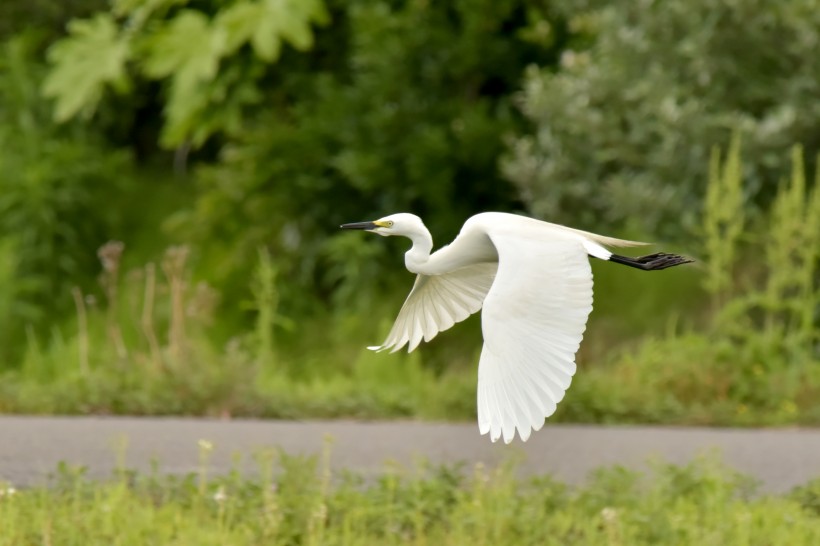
(437,302)
(533,321)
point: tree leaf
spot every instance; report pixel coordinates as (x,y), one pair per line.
(187,50)
(286,20)
(92,56)
(239,23)
(266,23)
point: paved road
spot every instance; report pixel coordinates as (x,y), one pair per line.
(30,447)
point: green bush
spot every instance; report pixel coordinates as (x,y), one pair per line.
(757,359)
(206,55)
(300,500)
(55,187)
(263,308)
(399,106)
(622,132)
(150,345)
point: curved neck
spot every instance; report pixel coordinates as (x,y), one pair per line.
(419,253)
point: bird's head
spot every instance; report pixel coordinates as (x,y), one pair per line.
(396,224)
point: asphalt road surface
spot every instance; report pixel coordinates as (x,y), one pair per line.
(31,447)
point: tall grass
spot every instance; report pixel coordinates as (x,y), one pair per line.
(723,220)
(149,345)
(775,307)
(756,358)
(792,293)
(298,501)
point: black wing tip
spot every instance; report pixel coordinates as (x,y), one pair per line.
(652,262)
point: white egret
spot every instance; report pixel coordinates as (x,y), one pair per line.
(534,282)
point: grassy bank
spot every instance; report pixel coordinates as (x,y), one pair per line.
(730,340)
(297,501)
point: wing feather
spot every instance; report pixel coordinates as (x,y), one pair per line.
(533,321)
(437,302)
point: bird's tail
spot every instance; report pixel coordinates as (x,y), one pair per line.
(653,262)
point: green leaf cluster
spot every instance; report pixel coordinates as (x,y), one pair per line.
(94,57)
(399,106)
(197,51)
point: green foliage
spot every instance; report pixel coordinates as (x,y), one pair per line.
(15,298)
(299,500)
(54,183)
(623,131)
(47,16)
(723,218)
(155,345)
(696,378)
(782,313)
(266,306)
(265,25)
(93,58)
(399,106)
(758,361)
(793,256)
(144,346)
(262,307)
(196,51)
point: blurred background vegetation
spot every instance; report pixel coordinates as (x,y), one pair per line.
(173,173)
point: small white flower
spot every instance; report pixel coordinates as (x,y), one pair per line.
(205,445)
(568,58)
(220,496)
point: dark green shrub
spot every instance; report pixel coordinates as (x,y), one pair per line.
(399,106)
(55,189)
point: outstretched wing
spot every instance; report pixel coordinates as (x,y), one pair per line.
(533,322)
(436,302)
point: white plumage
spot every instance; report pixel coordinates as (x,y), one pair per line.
(534,282)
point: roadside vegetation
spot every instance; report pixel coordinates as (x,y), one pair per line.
(292,500)
(173,174)
(746,356)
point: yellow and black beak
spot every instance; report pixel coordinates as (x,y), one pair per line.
(360,225)
(368,226)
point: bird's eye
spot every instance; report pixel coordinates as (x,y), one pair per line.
(390,223)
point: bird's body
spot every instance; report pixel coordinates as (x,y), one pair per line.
(474,243)
(534,283)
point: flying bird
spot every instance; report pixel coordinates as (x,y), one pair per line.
(532,281)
